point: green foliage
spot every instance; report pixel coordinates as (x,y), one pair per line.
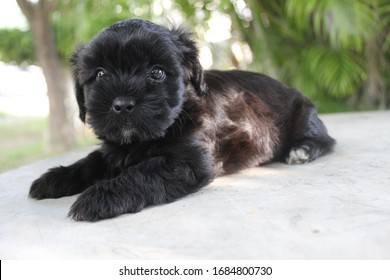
(341,23)
(351,55)
(16,46)
(317,46)
(335,72)
(76,22)
(320,46)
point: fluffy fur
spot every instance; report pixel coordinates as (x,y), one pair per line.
(168,127)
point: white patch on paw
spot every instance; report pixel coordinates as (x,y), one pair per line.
(297,156)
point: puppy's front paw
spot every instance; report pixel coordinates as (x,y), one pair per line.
(299,155)
(105,200)
(57,182)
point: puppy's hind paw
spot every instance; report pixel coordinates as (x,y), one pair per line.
(299,155)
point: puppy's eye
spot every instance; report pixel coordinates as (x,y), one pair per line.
(100,73)
(157,74)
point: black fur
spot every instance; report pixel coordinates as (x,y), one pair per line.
(168,127)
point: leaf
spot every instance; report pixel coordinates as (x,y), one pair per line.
(340,72)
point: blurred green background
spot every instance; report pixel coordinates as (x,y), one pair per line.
(336,52)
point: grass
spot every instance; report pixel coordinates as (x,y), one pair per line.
(328,106)
(24,141)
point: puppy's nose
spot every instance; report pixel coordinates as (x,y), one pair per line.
(123,105)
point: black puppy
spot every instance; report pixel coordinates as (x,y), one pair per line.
(168,127)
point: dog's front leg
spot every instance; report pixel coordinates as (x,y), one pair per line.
(64,181)
(154,181)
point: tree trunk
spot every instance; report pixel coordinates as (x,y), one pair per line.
(61,134)
(374,94)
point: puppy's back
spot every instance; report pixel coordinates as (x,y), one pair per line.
(269,90)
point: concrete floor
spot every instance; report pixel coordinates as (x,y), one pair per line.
(337,207)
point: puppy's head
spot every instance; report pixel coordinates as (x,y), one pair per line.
(131,79)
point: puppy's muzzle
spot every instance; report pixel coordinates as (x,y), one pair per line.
(123,105)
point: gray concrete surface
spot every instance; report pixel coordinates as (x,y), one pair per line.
(337,207)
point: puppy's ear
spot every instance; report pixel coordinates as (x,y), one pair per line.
(189,53)
(75,61)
